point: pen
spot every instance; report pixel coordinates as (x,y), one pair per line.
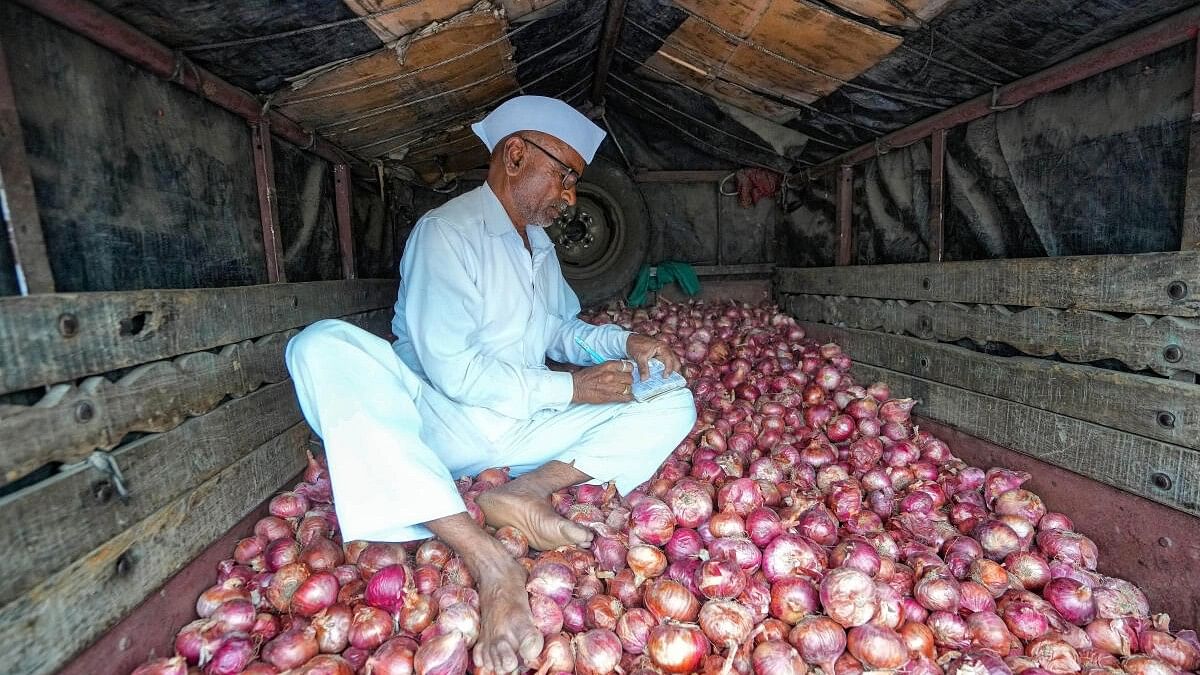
(587,348)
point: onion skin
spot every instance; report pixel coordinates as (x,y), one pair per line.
(876,647)
(597,652)
(820,641)
(668,599)
(848,596)
(676,649)
(442,655)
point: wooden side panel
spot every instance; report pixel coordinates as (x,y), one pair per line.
(1163,344)
(1147,283)
(1148,406)
(57,520)
(1155,470)
(53,338)
(54,620)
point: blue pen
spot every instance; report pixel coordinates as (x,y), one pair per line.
(590,352)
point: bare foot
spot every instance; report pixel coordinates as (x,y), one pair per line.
(532,514)
(507,636)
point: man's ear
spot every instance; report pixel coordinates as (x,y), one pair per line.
(514,155)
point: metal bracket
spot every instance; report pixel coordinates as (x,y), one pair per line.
(106,464)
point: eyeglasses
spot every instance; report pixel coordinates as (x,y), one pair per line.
(570,178)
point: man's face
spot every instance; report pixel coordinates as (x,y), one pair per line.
(538,189)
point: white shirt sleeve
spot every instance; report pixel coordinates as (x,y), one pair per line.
(442,319)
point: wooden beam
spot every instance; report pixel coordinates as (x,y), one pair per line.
(1152,469)
(1163,344)
(345,223)
(54,620)
(268,201)
(937,196)
(1145,283)
(721,270)
(18,204)
(54,338)
(60,519)
(845,216)
(681,176)
(72,420)
(1190,228)
(1154,407)
(614,17)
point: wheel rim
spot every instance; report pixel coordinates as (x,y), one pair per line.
(590,235)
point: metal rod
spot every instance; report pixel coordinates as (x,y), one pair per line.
(1154,38)
(268,208)
(114,34)
(845,252)
(1190,225)
(937,196)
(345,227)
(613,19)
(18,203)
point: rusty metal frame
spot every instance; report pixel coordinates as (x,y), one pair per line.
(937,196)
(845,216)
(114,34)
(345,227)
(268,206)
(1149,40)
(18,203)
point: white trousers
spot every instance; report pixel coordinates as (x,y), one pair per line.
(394,443)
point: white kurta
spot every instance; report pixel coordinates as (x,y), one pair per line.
(465,385)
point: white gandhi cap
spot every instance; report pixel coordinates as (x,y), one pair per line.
(539,113)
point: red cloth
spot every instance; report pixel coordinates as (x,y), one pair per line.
(754,184)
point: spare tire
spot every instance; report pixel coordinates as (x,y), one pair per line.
(602,241)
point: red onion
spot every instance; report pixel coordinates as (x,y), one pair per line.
(690,503)
(1115,636)
(668,599)
(602,611)
(626,588)
(314,594)
(332,626)
(417,613)
(991,575)
(777,657)
(234,616)
(937,590)
(1053,654)
(430,552)
(234,654)
(573,615)
(725,623)
(950,631)
(997,481)
(553,580)
(684,543)
(1072,599)
(547,615)
(370,627)
(739,550)
(975,597)
(314,526)
(557,656)
(513,540)
(1181,650)
(820,641)
(394,657)
(216,596)
(676,648)
(792,599)
(378,555)
(819,525)
(919,640)
(1145,665)
(652,521)
(461,619)
(456,573)
(647,562)
(876,647)
(442,655)
(848,596)
(292,648)
(386,588)
(1029,568)
(288,505)
(793,555)
(266,626)
(988,631)
(597,652)
(633,629)
(1021,503)
(1116,598)
(1055,521)
(284,584)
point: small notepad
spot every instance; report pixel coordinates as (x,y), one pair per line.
(656,385)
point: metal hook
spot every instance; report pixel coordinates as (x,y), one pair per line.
(995,104)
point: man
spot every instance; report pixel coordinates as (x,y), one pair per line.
(482,303)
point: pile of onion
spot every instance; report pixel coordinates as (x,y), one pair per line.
(805,523)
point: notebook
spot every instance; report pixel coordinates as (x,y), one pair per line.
(655,385)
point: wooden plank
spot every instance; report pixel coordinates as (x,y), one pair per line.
(268,200)
(719,270)
(937,196)
(1148,406)
(57,520)
(53,338)
(18,204)
(1190,227)
(1152,469)
(72,420)
(1145,283)
(54,620)
(1163,344)
(845,216)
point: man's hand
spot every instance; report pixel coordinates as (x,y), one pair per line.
(642,348)
(609,382)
